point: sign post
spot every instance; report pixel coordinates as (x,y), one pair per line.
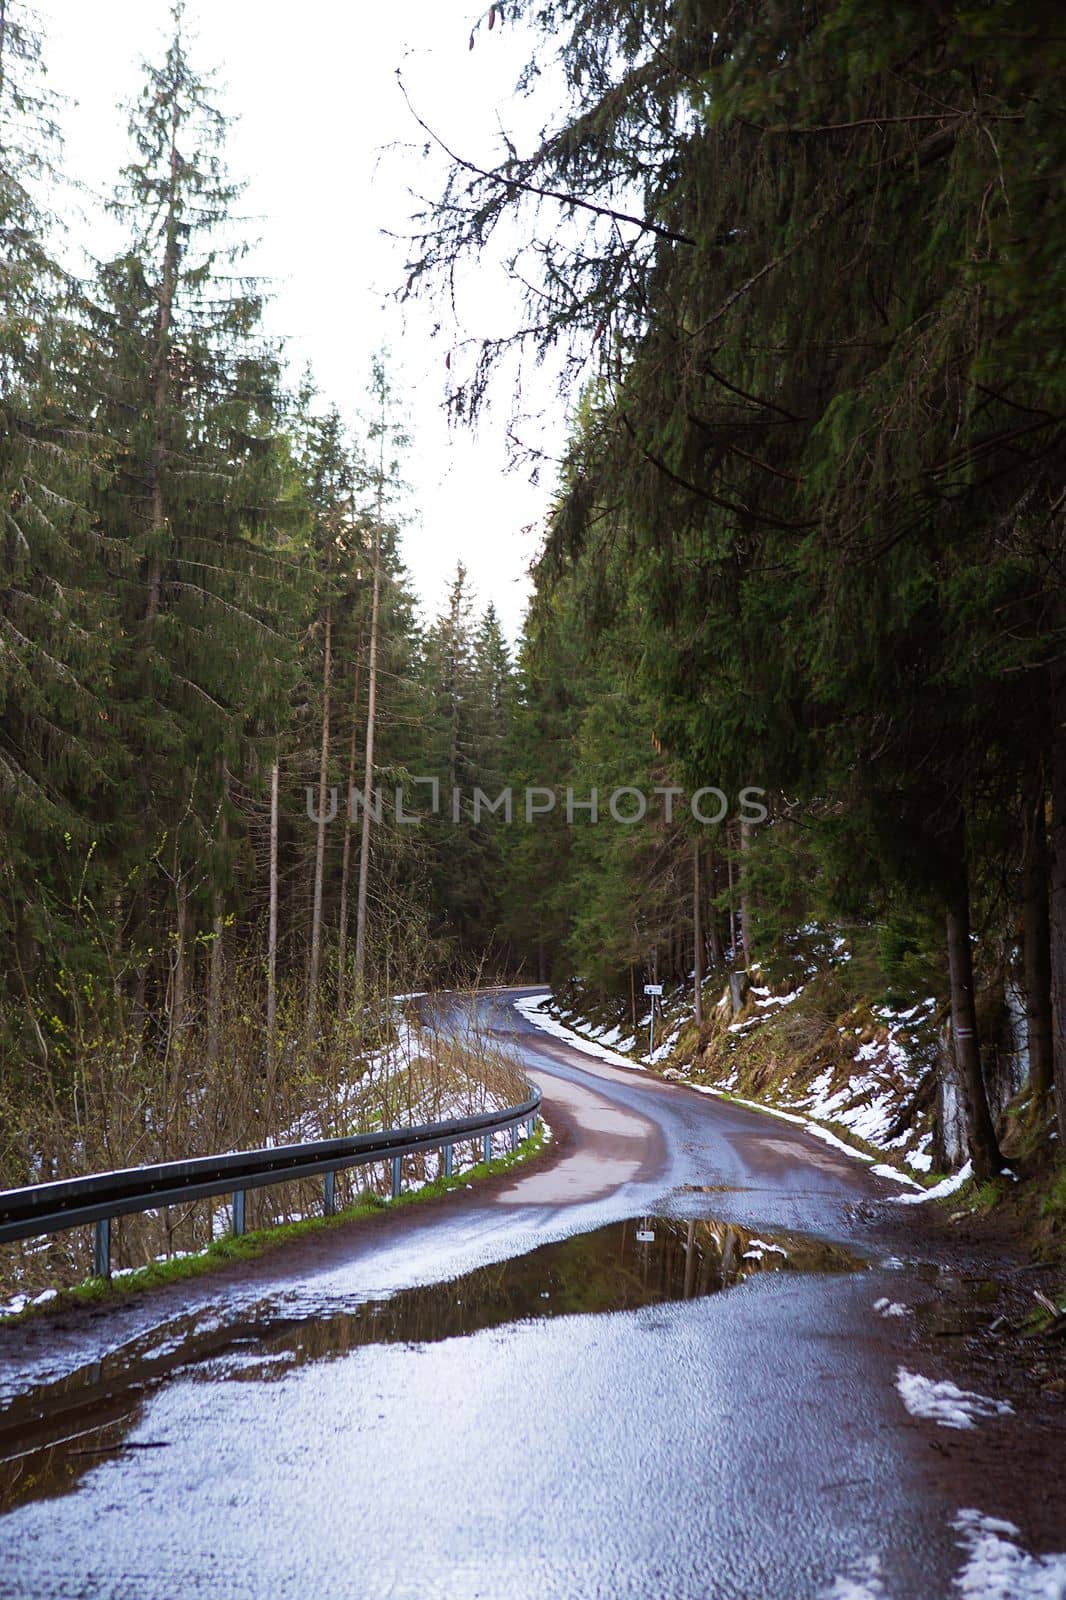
(652,989)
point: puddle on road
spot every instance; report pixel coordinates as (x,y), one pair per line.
(53,1434)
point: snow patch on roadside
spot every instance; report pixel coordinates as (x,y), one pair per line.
(945,1403)
(939,1190)
(818,1132)
(19,1302)
(863,1583)
(997,1569)
(883,1170)
(532,1008)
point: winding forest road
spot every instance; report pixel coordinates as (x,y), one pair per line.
(398,1408)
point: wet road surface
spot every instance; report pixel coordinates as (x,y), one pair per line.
(647,1364)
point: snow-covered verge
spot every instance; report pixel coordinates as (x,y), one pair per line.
(994,1564)
(861,1076)
(593,1041)
(941,1190)
(994,1567)
(946,1404)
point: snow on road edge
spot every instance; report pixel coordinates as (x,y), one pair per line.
(995,1567)
(880,1169)
(945,1403)
(531,1007)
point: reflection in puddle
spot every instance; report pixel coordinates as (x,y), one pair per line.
(53,1434)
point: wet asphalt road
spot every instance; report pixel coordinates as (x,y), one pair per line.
(273,1435)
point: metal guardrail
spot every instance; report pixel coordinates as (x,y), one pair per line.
(71,1202)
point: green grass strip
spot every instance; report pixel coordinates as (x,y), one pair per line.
(249,1246)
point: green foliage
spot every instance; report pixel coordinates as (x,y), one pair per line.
(808,533)
(814,488)
(910,953)
(468,688)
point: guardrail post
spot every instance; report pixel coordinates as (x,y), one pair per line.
(102,1248)
(76,1203)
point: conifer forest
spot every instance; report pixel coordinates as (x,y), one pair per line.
(799,271)
(807,537)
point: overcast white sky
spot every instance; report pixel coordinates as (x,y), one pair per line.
(314,89)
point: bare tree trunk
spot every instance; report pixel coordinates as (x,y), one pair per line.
(140,985)
(320,842)
(216,973)
(346,857)
(745,896)
(697,935)
(714,938)
(1058,909)
(368,762)
(177,978)
(1036,950)
(161,368)
(217,963)
(732,902)
(980,1133)
(272,926)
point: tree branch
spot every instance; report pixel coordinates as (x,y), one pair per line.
(521,186)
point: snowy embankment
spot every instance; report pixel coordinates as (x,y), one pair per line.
(862,1100)
(865,1106)
(593,1042)
(420,1075)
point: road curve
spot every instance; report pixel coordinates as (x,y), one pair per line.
(325,1420)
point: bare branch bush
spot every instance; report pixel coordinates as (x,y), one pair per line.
(127,1097)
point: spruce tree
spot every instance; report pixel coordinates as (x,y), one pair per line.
(58,757)
(184,388)
(835,484)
